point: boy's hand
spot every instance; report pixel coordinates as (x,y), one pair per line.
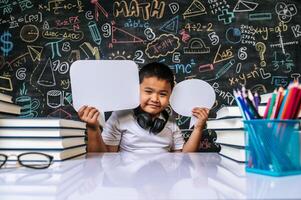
(90,116)
(202,115)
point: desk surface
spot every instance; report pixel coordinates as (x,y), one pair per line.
(145,176)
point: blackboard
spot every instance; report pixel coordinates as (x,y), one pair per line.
(227,43)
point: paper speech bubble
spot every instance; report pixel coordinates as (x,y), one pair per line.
(107,85)
(189,94)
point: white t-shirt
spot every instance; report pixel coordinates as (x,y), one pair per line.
(123,129)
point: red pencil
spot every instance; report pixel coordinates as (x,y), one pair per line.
(297,105)
(291,100)
(267,108)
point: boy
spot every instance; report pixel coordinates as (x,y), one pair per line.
(147,128)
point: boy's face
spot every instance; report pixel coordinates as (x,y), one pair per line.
(154,95)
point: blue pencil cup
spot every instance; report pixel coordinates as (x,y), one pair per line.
(273,147)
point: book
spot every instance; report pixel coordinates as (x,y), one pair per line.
(40,143)
(6,98)
(41,122)
(6,107)
(231,137)
(8,115)
(225,123)
(236,153)
(234,111)
(58,155)
(40,132)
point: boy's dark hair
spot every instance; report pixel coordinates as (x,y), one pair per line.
(158,70)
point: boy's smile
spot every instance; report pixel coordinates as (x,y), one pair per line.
(154,95)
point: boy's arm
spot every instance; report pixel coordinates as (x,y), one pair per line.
(95,141)
(193,143)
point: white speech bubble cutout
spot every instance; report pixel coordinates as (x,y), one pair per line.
(189,94)
(107,85)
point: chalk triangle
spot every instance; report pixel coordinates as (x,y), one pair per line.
(35,52)
(47,78)
(243,6)
(121,36)
(60,113)
(196,8)
(171,26)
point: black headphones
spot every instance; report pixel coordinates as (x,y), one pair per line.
(146,121)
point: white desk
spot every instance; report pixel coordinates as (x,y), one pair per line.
(148,176)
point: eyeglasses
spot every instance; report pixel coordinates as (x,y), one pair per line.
(34,160)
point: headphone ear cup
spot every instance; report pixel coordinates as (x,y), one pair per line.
(144,120)
(158,125)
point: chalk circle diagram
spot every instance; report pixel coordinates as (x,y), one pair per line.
(285,12)
(189,94)
(233,35)
(107,85)
(29,33)
(196,46)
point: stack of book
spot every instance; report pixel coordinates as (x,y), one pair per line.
(7,108)
(61,138)
(229,135)
(229,129)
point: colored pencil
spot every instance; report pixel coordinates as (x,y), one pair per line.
(289,101)
(297,104)
(282,105)
(272,104)
(257,99)
(279,99)
(243,114)
(265,115)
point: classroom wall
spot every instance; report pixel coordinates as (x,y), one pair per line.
(226,43)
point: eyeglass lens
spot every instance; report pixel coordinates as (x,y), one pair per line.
(35,160)
(3,159)
(32,160)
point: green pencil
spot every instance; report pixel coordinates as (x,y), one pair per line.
(273,99)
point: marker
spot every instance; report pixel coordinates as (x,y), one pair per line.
(251,97)
(243,114)
(244,106)
(256,100)
(250,106)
